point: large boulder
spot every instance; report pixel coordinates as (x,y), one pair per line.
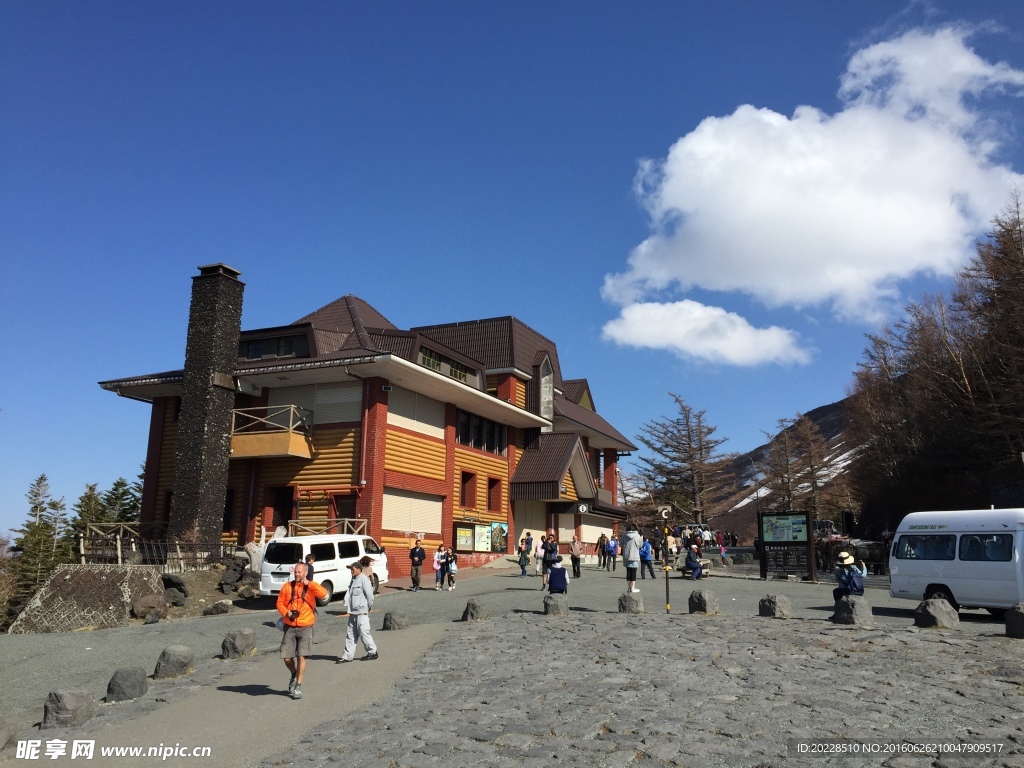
(1015,621)
(775,606)
(393,620)
(68,709)
(704,601)
(127,683)
(474,610)
(238,644)
(854,610)
(228,581)
(145,605)
(936,614)
(175,661)
(631,602)
(556,605)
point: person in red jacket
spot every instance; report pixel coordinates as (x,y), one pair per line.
(297,605)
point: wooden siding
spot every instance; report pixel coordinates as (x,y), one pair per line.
(336,464)
(414,455)
(520,394)
(168,455)
(237,471)
(484,467)
(570,487)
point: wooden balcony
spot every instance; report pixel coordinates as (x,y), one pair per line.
(268,432)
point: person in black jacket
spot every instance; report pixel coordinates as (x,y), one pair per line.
(693,562)
(416,557)
(550,555)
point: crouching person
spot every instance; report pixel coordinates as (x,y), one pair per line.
(359,600)
(297,605)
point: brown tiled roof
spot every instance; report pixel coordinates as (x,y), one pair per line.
(540,470)
(587,418)
(575,389)
(498,342)
(346,314)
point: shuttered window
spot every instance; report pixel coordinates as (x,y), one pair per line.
(417,412)
(338,403)
(566,528)
(410,512)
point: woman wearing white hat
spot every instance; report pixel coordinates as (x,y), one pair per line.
(849,577)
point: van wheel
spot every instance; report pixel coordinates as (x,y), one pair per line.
(376,584)
(941,592)
(322,601)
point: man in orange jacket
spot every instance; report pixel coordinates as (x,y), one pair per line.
(297,605)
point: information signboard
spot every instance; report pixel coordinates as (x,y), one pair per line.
(786,544)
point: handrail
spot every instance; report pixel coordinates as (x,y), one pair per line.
(339,525)
(280,418)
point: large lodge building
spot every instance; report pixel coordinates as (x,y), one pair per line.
(463,433)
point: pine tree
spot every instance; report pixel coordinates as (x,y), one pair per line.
(90,509)
(120,503)
(41,544)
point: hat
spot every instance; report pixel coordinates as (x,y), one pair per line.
(356,564)
(845,558)
(693,546)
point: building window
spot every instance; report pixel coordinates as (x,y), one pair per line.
(430,359)
(467,490)
(282,346)
(493,494)
(435,361)
(480,433)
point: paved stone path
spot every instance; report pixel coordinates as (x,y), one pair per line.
(596,688)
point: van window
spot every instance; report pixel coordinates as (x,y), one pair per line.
(348,549)
(991,547)
(926,547)
(371,547)
(322,551)
(283,552)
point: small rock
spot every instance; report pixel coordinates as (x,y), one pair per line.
(631,602)
(853,609)
(394,620)
(703,601)
(174,581)
(64,709)
(239,644)
(246,592)
(556,605)
(221,606)
(776,606)
(143,606)
(1015,621)
(153,618)
(174,596)
(127,683)
(175,661)
(937,614)
(474,610)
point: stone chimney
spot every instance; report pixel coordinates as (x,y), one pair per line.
(204,424)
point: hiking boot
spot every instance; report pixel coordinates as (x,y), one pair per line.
(292,685)
(297,693)
(370,657)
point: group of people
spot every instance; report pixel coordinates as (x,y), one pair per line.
(296,602)
(446,565)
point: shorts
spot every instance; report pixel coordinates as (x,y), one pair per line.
(547,565)
(630,574)
(297,641)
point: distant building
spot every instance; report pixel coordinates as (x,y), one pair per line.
(462,433)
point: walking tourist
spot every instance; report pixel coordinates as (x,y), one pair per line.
(296,602)
(359,601)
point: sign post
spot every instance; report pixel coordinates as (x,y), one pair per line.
(664,512)
(787,545)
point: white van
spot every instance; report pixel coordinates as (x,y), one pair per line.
(334,553)
(971,558)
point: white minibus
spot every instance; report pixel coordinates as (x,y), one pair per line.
(334,553)
(971,558)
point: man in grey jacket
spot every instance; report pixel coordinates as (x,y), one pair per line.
(359,600)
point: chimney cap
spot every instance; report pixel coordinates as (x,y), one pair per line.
(219,269)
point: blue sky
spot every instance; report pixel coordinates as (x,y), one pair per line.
(715,199)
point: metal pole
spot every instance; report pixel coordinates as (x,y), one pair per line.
(668,601)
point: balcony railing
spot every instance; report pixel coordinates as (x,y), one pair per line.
(266,431)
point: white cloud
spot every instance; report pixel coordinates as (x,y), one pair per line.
(819,209)
(691,329)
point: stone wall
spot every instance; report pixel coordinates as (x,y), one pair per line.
(87,596)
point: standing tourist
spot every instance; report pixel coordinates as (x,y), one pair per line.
(451,564)
(602,552)
(296,602)
(550,552)
(631,555)
(416,557)
(359,601)
(524,557)
(645,559)
(611,552)
(438,558)
(575,554)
